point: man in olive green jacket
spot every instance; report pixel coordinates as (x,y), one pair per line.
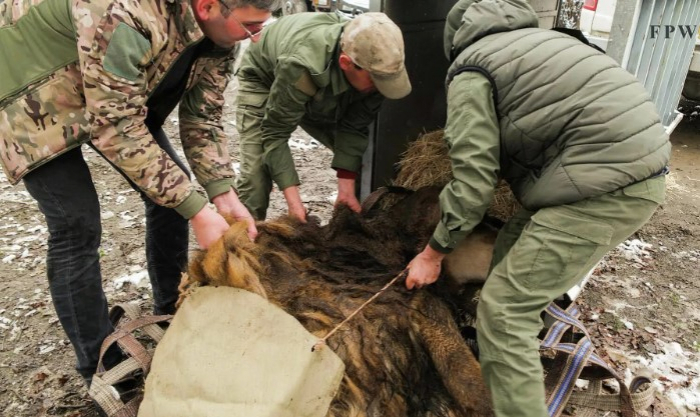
(108,73)
(326,74)
(580,144)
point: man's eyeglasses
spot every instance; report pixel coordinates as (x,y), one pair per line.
(257,28)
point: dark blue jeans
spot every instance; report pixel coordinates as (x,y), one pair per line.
(66,195)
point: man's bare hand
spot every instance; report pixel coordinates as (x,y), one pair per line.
(424,269)
(228,204)
(208,227)
(294,205)
(346,194)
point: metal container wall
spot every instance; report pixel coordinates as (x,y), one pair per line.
(400,121)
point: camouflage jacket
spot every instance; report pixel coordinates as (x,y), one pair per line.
(82,70)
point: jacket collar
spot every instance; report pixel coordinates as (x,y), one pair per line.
(339,84)
(185,21)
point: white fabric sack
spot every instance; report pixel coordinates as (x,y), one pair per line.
(231,353)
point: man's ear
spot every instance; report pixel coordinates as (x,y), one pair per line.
(345,62)
(203,8)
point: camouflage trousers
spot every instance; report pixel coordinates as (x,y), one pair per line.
(538,256)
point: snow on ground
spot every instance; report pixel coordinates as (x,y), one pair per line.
(139,278)
(676,373)
(635,250)
(304,145)
(673,183)
(331,198)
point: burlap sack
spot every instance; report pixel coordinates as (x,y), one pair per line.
(231,353)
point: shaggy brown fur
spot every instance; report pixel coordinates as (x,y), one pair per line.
(426,162)
(404,353)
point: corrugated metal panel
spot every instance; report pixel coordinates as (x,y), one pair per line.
(661,63)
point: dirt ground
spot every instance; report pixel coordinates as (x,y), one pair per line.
(642,305)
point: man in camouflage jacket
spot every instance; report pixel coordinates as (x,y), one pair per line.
(108,73)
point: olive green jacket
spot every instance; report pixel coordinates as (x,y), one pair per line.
(82,70)
(293,72)
(558,120)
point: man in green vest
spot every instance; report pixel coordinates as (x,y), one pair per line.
(328,75)
(108,73)
(578,140)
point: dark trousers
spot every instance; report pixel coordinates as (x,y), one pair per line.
(66,195)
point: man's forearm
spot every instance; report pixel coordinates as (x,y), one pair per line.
(294,204)
(346,194)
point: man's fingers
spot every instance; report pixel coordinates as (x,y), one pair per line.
(252,232)
(412,283)
(350,202)
(302,216)
(202,244)
(252,229)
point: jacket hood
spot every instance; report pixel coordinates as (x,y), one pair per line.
(471,20)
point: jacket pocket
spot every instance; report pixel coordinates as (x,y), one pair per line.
(250,109)
(567,220)
(563,246)
(42,123)
(251,101)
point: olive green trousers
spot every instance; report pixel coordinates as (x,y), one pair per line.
(254,183)
(538,256)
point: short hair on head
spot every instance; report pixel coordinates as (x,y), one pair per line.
(270,5)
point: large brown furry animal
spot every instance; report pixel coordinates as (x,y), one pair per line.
(404,353)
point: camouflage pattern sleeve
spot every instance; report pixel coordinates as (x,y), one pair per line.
(116,42)
(201,129)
